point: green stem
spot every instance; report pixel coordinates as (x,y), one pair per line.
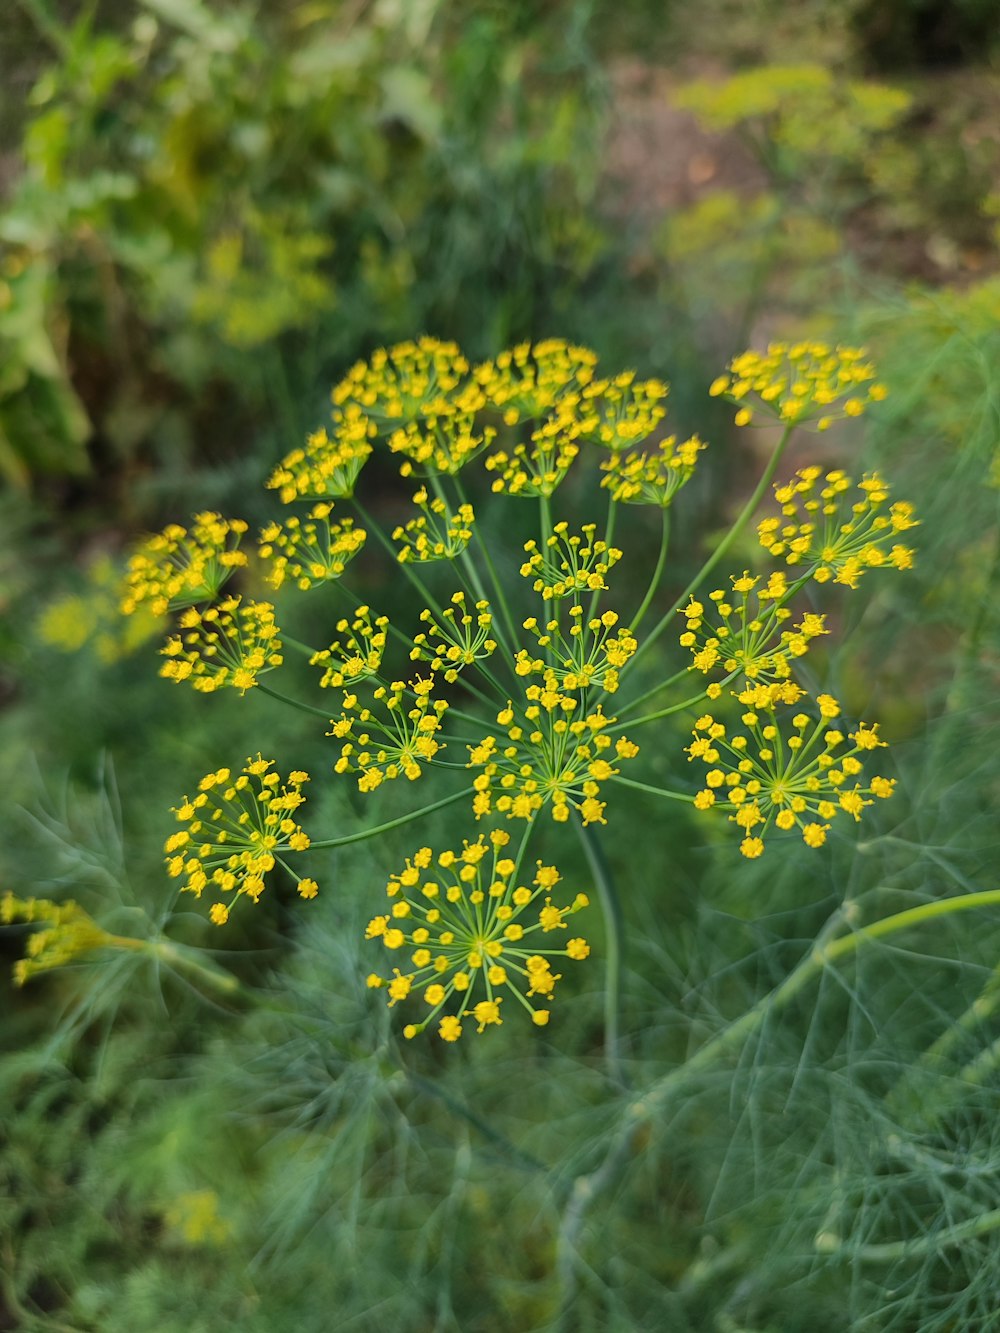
(613,931)
(298,645)
(403,565)
(827,950)
(906,1096)
(609,532)
(744,516)
(912,1249)
(663,712)
(179,958)
(975,1073)
(491,570)
(294,703)
(545,526)
(654,582)
(390,824)
(821,957)
(652,791)
(648,694)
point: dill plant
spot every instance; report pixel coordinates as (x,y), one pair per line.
(532,713)
(886,1171)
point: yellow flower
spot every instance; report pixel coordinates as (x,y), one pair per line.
(798,382)
(470,925)
(552,758)
(397,741)
(652,478)
(180,567)
(781,775)
(570,564)
(327,469)
(458,637)
(235,832)
(310,553)
(529,382)
(410,382)
(437,533)
(620,412)
(832,536)
(749,636)
(68,932)
(356,656)
(226,645)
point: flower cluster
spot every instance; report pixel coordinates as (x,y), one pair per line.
(620,412)
(589,656)
(68,933)
(529,381)
(236,829)
(407,382)
(549,758)
(437,533)
(441,444)
(357,655)
(395,742)
(654,477)
(776,774)
(800,382)
(831,537)
(456,638)
(326,469)
(312,552)
(181,567)
(749,637)
(569,564)
(229,644)
(532,660)
(537,468)
(467,936)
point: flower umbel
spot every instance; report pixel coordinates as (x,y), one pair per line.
(620,412)
(229,644)
(831,537)
(467,936)
(326,468)
(550,758)
(749,638)
(357,655)
(458,637)
(784,774)
(180,567)
(590,655)
(399,743)
(569,564)
(527,382)
(437,533)
(236,830)
(68,932)
(444,444)
(798,382)
(310,553)
(653,477)
(408,382)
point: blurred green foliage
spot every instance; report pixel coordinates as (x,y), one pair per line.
(853,177)
(208,188)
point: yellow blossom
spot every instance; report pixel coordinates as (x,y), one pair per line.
(235,830)
(180,567)
(475,934)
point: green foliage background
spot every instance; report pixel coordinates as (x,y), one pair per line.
(209,211)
